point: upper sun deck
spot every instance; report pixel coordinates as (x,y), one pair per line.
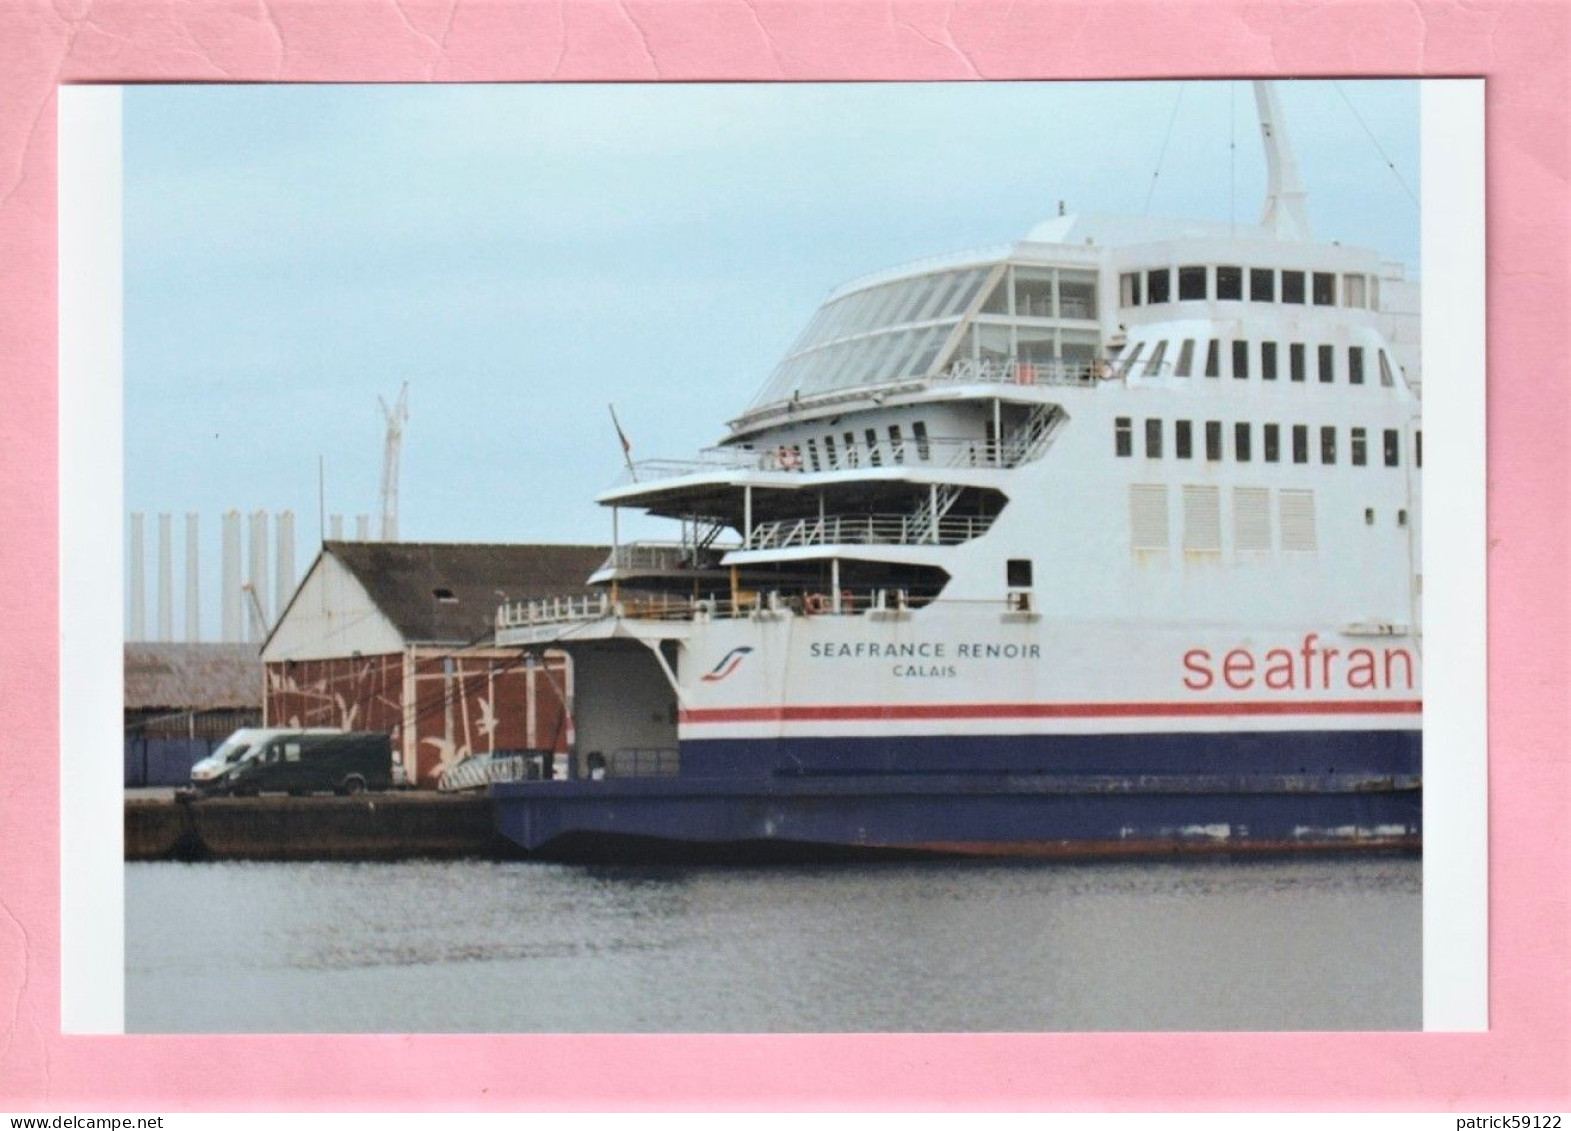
(1059,298)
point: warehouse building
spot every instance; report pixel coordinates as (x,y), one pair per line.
(181,701)
(397,637)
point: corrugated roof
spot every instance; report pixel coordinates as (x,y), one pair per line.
(199,677)
(448,592)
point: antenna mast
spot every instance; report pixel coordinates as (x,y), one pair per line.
(1286,213)
(395,418)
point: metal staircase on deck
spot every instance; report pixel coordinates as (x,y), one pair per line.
(1024,443)
(924,521)
(1029,441)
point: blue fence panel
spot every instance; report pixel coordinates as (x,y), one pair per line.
(163,761)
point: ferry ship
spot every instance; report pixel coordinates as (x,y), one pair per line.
(1105,542)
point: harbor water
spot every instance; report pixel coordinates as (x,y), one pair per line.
(474,946)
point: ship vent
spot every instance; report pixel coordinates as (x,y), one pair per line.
(1252,520)
(1297,516)
(1148,516)
(1202,519)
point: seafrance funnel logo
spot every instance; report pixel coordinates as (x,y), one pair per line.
(728,664)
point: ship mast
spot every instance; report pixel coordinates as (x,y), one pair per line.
(1286,213)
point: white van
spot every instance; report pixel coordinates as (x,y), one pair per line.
(241,743)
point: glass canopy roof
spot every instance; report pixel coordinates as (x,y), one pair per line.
(879,334)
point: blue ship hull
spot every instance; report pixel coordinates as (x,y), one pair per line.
(1043,795)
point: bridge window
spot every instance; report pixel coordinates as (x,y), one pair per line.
(1324,288)
(1328,444)
(1033,293)
(919,433)
(1186,358)
(1154,366)
(1272,442)
(1183,439)
(1241,437)
(873,454)
(1360,447)
(1213,362)
(1017,573)
(1213,440)
(1131,356)
(1293,286)
(1327,365)
(1392,450)
(1241,360)
(812,454)
(1300,443)
(852,456)
(1229,282)
(1159,286)
(1154,439)
(1129,289)
(1355,365)
(897,450)
(1076,294)
(1268,361)
(1295,361)
(1262,284)
(1123,437)
(1353,293)
(1191,283)
(829,453)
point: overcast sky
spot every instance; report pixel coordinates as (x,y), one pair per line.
(523,255)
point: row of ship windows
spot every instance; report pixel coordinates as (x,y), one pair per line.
(1201,506)
(1241,354)
(1265,284)
(1270,442)
(830,456)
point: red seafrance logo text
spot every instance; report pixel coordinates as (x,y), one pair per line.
(1309,666)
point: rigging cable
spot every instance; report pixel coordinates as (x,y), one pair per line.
(1162,156)
(1375,141)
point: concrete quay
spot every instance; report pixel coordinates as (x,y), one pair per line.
(371,826)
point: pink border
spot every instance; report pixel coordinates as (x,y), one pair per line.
(1521,48)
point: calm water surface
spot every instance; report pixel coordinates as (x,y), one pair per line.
(519,947)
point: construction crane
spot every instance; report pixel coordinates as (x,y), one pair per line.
(395,418)
(259,627)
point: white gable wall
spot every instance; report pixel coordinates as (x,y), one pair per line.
(332,616)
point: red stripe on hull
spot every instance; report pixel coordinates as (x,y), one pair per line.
(1052,711)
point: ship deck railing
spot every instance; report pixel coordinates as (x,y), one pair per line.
(930,451)
(868,529)
(636,762)
(942,451)
(804,601)
(1010,371)
(666,556)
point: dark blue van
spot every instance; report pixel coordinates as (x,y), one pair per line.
(302,763)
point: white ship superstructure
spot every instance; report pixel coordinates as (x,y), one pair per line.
(1128,500)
